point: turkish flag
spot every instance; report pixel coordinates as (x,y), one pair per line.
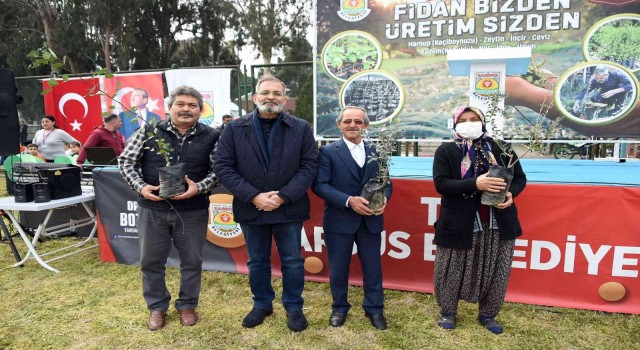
(120,87)
(74,105)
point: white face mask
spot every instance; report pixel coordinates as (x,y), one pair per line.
(469,130)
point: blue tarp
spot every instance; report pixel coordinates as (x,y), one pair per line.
(541,171)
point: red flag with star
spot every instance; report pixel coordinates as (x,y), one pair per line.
(74,105)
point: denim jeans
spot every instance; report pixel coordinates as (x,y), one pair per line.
(288,240)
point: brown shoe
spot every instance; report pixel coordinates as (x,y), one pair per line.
(188,317)
(156,320)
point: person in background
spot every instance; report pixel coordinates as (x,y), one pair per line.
(106,135)
(180,221)
(226,119)
(610,89)
(475,242)
(74,149)
(32,149)
(268,159)
(342,174)
(51,140)
(24,132)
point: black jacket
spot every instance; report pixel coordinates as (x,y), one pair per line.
(195,152)
(241,168)
(454,227)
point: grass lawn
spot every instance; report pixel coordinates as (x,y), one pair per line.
(91,304)
(96,305)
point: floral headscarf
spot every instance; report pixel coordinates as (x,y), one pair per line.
(476,154)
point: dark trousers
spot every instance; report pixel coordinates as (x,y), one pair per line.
(339,248)
(157,230)
(288,239)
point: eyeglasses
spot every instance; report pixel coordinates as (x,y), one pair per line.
(190,105)
(349,121)
(267,93)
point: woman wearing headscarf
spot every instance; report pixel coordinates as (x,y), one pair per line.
(475,242)
(50,139)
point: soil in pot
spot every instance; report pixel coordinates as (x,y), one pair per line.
(171,180)
(493,198)
(373,191)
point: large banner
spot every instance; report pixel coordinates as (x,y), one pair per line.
(75,104)
(213,84)
(390,57)
(579,249)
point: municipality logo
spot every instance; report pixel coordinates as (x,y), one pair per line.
(353,10)
(221,221)
(487,84)
(222,230)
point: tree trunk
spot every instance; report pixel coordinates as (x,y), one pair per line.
(106,48)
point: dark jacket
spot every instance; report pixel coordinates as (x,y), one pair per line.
(338,179)
(241,168)
(101,137)
(24,134)
(195,152)
(454,227)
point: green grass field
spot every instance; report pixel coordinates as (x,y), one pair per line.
(96,305)
(92,304)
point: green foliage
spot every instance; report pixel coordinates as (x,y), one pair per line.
(541,129)
(386,145)
(351,52)
(299,50)
(118,34)
(268,25)
(616,41)
(304,103)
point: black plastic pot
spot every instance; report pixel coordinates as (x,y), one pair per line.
(171,180)
(493,198)
(373,191)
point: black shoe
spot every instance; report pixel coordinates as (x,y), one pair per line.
(337,319)
(377,320)
(447,321)
(296,321)
(256,317)
(491,324)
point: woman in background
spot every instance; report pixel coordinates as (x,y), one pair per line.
(51,140)
(475,242)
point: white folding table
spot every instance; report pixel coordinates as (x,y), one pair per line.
(8,204)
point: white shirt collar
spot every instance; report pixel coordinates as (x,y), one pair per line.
(351,145)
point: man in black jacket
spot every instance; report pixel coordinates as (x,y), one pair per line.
(268,160)
(181,219)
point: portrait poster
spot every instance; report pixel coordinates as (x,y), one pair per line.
(390,57)
(124,91)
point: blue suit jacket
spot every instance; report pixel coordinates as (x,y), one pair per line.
(241,168)
(338,179)
(129,126)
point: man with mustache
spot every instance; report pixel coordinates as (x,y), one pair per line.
(344,170)
(181,220)
(268,160)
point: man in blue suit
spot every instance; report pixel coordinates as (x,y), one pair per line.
(268,160)
(343,172)
(132,121)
